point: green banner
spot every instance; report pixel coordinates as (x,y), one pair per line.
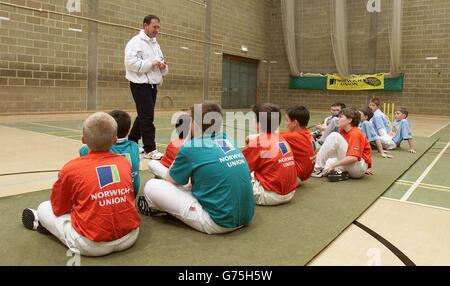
(320,83)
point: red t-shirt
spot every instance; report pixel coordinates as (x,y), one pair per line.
(97,191)
(303,148)
(272,160)
(358,145)
(171,152)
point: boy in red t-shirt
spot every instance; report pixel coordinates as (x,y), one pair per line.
(270,159)
(91,208)
(182,127)
(347,151)
(301,141)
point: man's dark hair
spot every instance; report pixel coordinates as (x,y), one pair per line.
(340,104)
(182,125)
(267,110)
(299,113)
(353,114)
(148,19)
(123,122)
(206,108)
(367,112)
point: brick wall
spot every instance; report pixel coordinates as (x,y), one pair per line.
(44,66)
(426,32)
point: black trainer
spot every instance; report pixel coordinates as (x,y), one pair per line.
(31,222)
(337,176)
(144,209)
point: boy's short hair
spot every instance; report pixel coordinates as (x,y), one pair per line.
(353,114)
(339,104)
(376,101)
(208,122)
(267,110)
(123,120)
(182,125)
(99,131)
(403,110)
(299,113)
(367,112)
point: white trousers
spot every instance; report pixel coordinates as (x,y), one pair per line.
(180,203)
(157,168)
(387,142)
(267,198)
(335,149)
(61,228)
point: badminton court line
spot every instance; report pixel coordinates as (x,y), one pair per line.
(435,132)
(411,190)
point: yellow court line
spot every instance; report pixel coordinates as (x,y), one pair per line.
(424,187)
(423,184)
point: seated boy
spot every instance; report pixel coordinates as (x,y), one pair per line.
(381,124)
(349,150)
(91,208)
(270,159)
(221,198)
(402,129)
(367,128)
(334,111)
(160,168)
(300,140)
(127,148)
(332,125)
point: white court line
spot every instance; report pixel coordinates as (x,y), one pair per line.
(411,190)
(417,204)
(57,127)
(439,129)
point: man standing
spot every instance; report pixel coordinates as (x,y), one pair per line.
(145,68)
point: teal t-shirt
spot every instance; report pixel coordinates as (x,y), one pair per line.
(220,179)
(130,150)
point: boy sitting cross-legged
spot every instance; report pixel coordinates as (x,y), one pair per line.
(402,129)
(127,148)
(270,159)
(300,140)
(347,151)
(91,208)
(367,128)
(219,197)
(160,167)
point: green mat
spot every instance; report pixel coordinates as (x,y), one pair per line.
(292,234)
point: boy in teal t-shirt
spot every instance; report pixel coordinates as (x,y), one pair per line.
(209,184)
(129,149)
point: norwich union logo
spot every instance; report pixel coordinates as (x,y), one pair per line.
(107,175)
(225,145)
(284,148)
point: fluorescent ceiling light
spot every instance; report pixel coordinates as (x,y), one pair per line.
(431,58)
(75,30)
(184,48)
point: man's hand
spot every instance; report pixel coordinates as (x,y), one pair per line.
(370,172)
(156,63)
(162,66)
(412,151)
